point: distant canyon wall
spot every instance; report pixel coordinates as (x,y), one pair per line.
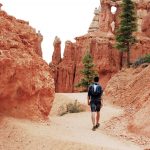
(100,39)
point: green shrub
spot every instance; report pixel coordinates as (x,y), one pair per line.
(72,107)
(141,60)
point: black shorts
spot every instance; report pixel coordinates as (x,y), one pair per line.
(95,106)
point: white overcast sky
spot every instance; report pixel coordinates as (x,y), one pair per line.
(63,18)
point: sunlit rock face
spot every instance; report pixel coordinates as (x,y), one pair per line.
(26,84)
(100,40)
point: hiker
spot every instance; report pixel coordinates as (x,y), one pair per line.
(94,100)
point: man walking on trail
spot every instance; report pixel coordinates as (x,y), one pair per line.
(94,100)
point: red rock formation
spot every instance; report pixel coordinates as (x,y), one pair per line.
(67,72)
(95,22)
(105,57)
(105,17)
(64,74)
(130,88)
(26,85)
(146,25)
(56,58)
(19,38)
(101,43)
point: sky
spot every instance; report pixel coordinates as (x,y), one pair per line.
(66,19)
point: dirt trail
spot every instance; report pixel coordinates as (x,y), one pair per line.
(71,131)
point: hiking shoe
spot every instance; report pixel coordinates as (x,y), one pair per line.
(97,125)
(94,128)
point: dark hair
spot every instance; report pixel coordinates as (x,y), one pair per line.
(96,79)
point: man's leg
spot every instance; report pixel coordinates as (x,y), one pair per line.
(93,113)
(93,118)
(97,117)
(98,107)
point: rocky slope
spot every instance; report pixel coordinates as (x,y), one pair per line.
(100,40)
(26,85)
(130,89)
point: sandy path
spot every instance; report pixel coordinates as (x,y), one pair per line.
(71,131)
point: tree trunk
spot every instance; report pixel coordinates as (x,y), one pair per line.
(121,60)
(128,57)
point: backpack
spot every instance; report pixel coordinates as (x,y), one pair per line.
(96,90)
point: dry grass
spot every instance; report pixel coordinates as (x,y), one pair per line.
(63,104)
(72,107)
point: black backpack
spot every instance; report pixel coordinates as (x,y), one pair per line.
(96,90)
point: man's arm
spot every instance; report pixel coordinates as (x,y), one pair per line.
(88,96)
(101,102)
(88,100)
(101,97)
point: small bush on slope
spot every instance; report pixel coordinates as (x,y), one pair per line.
(141,60)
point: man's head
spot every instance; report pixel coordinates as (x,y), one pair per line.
(96,79)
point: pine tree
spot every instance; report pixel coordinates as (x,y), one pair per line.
(124,36)
(88,71)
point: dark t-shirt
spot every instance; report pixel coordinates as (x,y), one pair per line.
(95,97)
